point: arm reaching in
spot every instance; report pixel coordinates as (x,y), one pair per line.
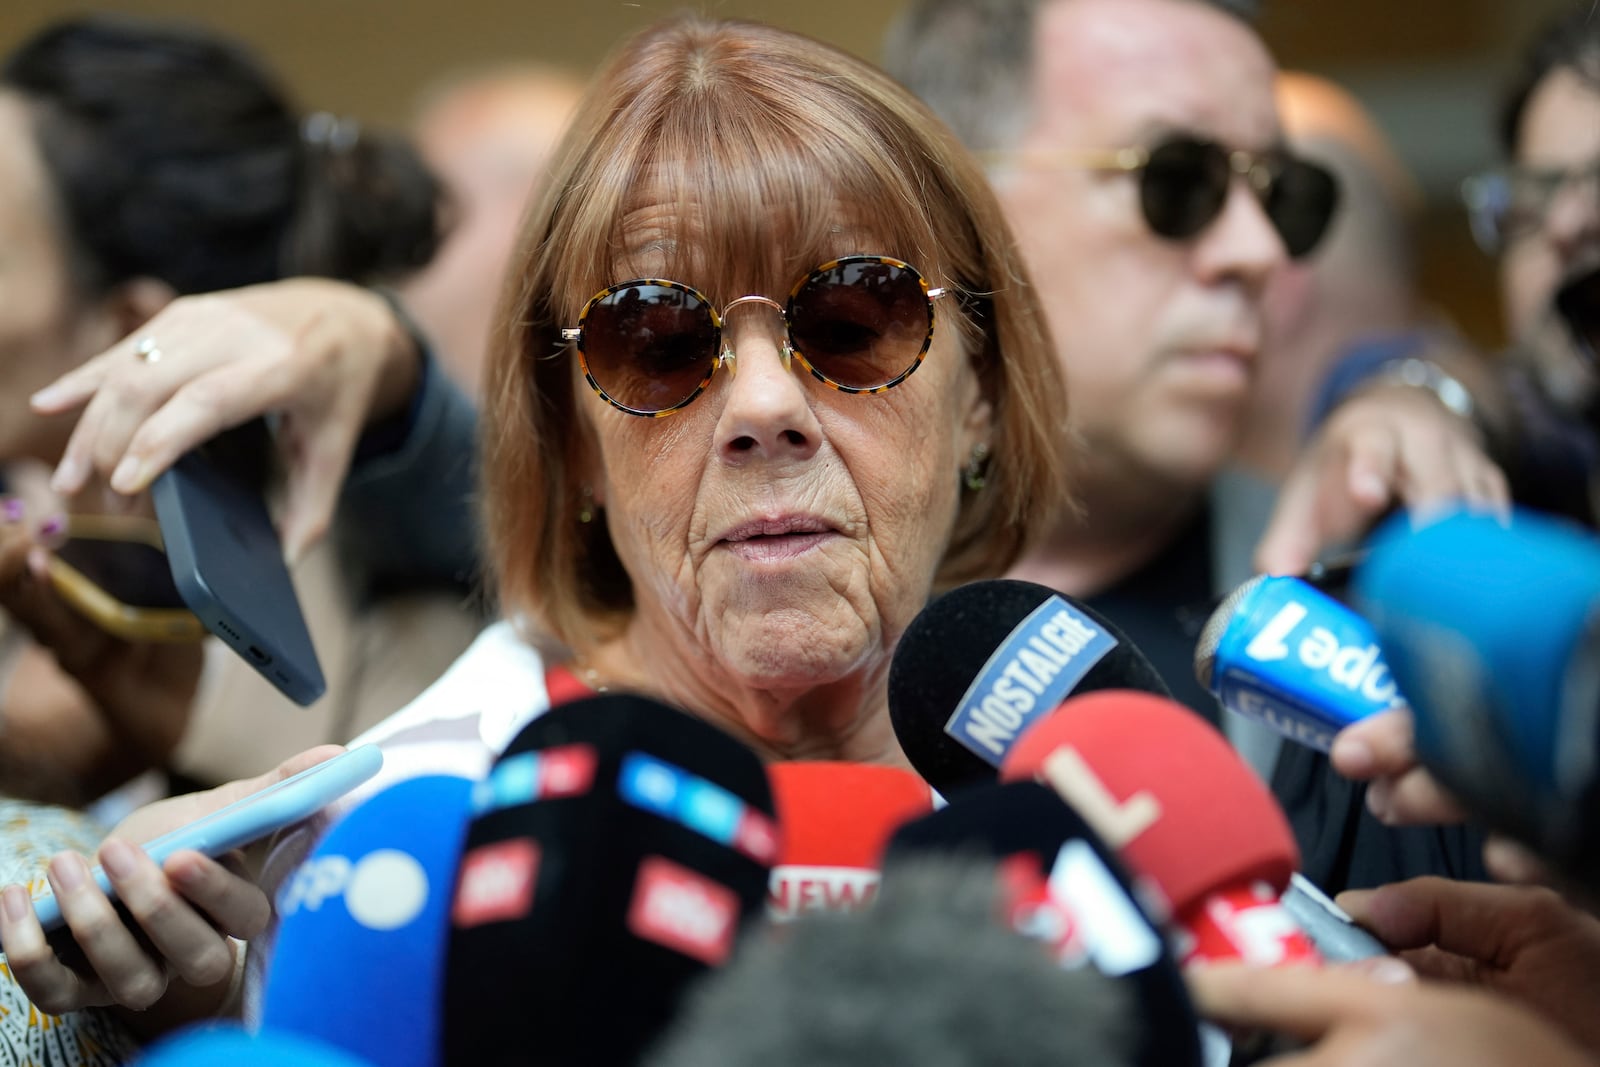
(1351,1017)
(326,357)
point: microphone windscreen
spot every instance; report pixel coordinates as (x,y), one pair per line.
(1163,787)
(1493,631)
(1029,830)
(616,849)
(927,976)
(227,1045)
(836,818)
(983,662)
(361,937)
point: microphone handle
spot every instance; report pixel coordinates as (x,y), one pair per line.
(1334,933)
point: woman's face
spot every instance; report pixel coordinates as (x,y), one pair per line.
(44,330)
(777,529)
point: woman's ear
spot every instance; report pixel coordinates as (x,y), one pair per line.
(977,426)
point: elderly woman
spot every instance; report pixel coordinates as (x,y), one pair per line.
(772,374)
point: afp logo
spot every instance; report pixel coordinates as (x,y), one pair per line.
(383,890)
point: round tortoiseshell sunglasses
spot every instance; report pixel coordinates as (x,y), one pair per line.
(859,324)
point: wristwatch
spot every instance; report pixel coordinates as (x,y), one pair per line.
(1421,373)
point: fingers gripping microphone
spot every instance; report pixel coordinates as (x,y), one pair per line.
(1164,789)
(1291,657)
(360,947)
(982,663)
(617,848)
(836,818)
(1494,632)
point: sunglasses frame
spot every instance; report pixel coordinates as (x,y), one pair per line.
(721,354)
(1260,169)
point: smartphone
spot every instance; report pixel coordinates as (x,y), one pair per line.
(291,800)
(113,569)
(227,563)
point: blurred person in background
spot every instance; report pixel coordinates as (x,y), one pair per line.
(1136,147)
(142,162)
(145,162)
(489,138)
(1359,283)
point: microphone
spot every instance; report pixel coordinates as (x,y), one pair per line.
(985,661)
(616,848)
(210,1044)
(361,938)
(1494,631)
(836,817)
(1164,789)
(1284,654)
(1067,889)
(925,976)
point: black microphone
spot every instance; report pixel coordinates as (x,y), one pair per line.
(927,975)
(617,848)
(1069,890)
(985,661)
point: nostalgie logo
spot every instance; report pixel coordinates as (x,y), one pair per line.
(684,911)
(797,889)
(496,883)
(1042,661)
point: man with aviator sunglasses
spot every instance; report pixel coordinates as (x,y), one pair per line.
(1137,151)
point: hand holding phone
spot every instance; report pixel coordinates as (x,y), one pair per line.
(289,801)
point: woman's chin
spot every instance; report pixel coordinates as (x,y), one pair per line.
(784,651)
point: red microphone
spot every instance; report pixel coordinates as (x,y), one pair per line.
(1164,789)
(836,819)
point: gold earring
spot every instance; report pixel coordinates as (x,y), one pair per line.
(586,505)
(973,476)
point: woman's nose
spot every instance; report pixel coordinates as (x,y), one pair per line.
(766,409)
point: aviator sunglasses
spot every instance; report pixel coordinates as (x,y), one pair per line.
(1183,186)
(859,324)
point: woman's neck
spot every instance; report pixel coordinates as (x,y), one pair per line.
(843,720)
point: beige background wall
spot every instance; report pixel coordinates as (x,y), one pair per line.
(1431,69)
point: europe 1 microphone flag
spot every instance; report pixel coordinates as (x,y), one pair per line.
(1291,657)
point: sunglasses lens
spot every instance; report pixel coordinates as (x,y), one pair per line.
(649,346)
(1183,187)
(1300,203)
(861,323)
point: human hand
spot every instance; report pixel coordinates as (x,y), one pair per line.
(142,692)
(326,357)
(185,912)
(1381,750)
(1390,444)
(1355,1017)
(1525,943)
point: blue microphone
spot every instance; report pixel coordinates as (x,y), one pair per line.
(224,1043)
(1283,653)
(360,950)
(1494,632)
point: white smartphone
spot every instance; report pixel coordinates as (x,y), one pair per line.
(251,818)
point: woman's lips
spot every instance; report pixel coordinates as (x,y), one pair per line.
(776,539)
